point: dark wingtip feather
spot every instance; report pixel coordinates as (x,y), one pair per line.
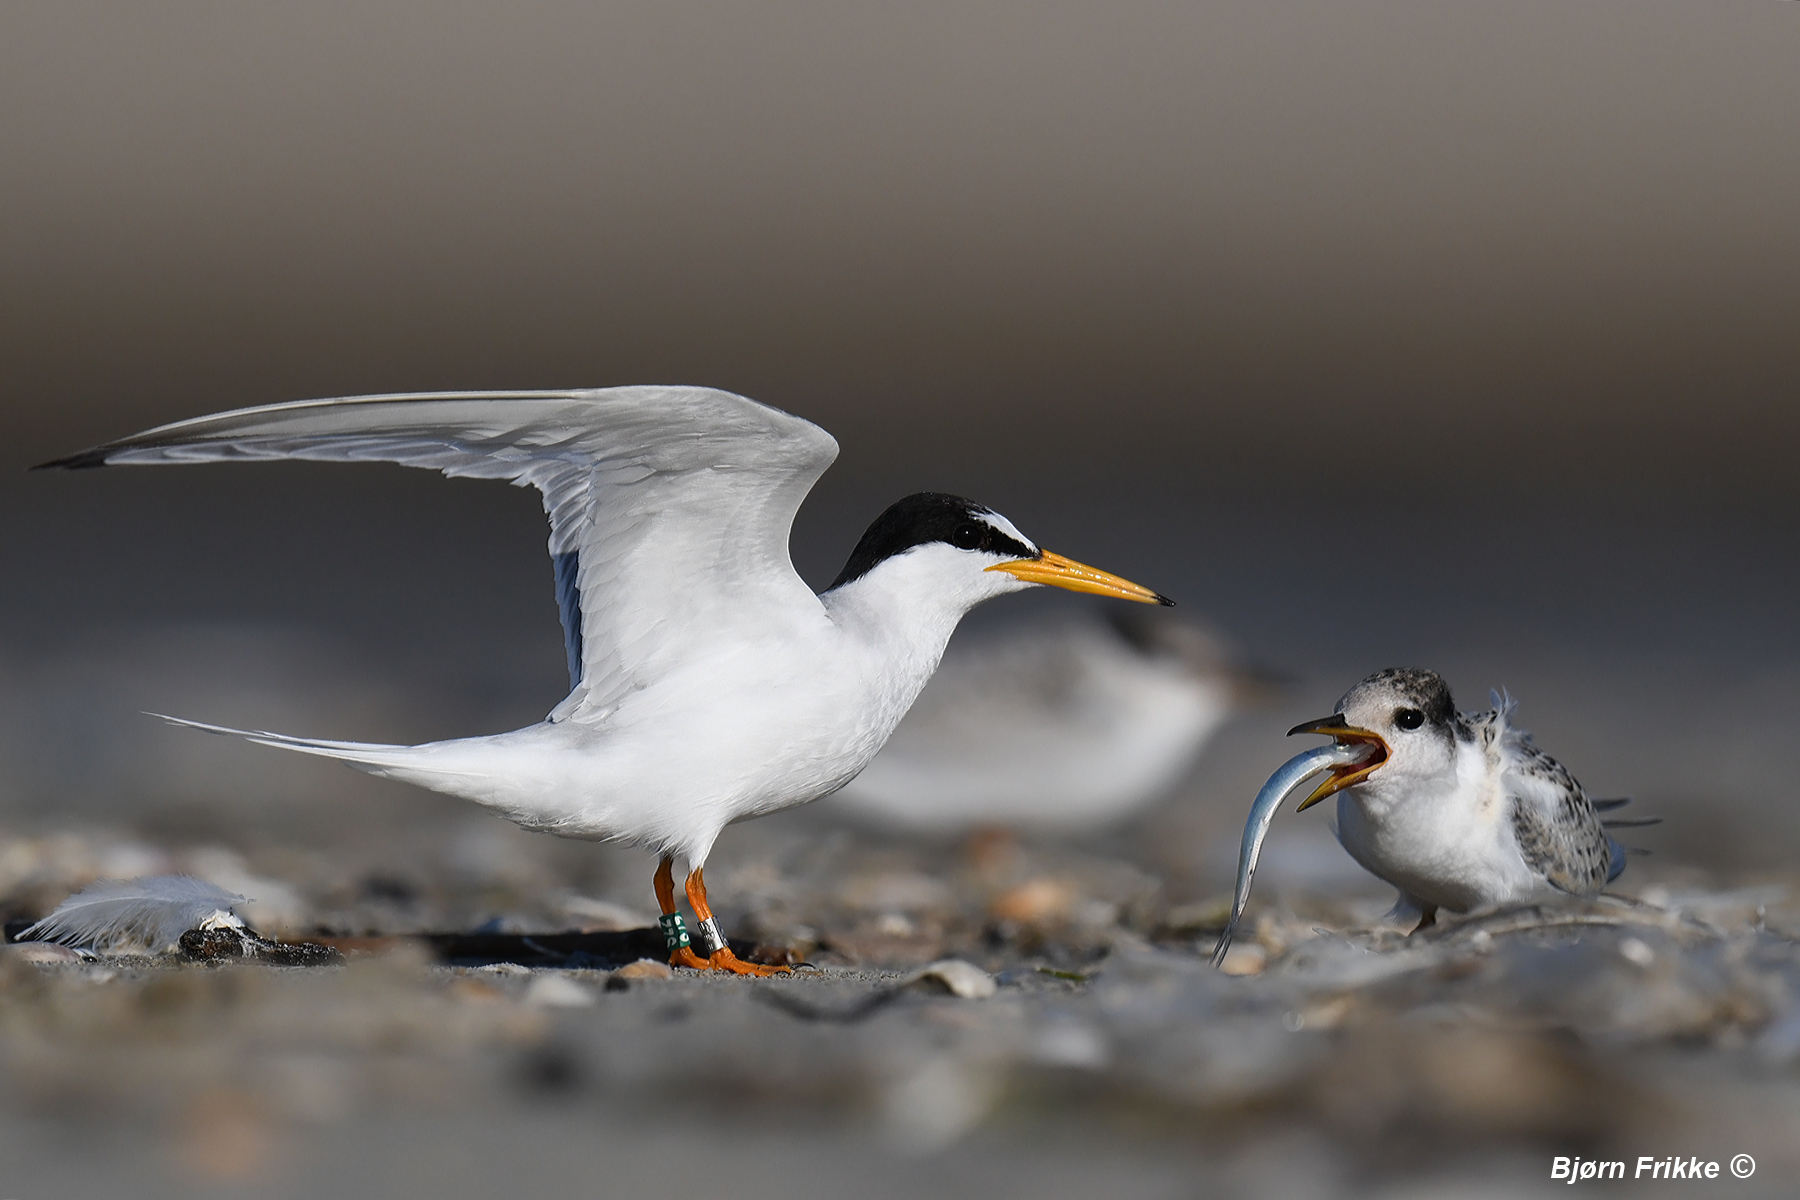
(87,460)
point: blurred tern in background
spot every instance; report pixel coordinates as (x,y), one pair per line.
(1098,719)
(709,684)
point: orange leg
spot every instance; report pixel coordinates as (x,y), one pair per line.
(722,959)
(681,954)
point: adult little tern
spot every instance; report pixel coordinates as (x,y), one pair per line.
(1459,810)
(709,684)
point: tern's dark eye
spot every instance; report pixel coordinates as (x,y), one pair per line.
(1409,718)
(968,536)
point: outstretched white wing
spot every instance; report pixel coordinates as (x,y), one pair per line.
(670,507)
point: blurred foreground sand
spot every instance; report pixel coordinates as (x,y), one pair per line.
(1110,1061)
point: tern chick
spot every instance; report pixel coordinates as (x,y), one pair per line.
(1458,810)
(708,683)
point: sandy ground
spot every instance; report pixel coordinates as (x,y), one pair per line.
(1381,335)
(1108,1060)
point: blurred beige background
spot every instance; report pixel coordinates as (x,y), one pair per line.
(1459,335)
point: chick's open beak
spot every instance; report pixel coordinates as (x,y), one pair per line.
(1061,572)
(1350,773)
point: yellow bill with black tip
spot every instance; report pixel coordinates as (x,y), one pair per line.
(1057,571)
(1349,774)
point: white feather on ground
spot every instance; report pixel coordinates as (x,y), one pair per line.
(115,915)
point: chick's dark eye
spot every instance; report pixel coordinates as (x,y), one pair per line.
(967,536)
(1409,718)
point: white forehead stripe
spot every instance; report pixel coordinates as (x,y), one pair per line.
(1005,526)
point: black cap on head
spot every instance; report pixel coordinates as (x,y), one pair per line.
(927,517)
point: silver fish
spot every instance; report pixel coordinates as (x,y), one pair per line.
(1283,783)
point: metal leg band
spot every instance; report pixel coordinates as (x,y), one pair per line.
(711,940)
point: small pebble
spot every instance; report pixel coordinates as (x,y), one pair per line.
(894,925)
(1205,916)
(956,977)
(1245,958)
(644,968)
(557,991)
(1034,901)
(477,990)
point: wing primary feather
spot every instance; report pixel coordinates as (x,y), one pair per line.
(667,505)
(87,460)
(568,605)
(1615,866)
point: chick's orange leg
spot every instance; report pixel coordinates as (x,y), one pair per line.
(721,958)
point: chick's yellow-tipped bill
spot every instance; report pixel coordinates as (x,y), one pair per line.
(1349,774)
(1061,572)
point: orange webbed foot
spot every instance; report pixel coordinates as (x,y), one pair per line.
(724,960)
(683,955)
